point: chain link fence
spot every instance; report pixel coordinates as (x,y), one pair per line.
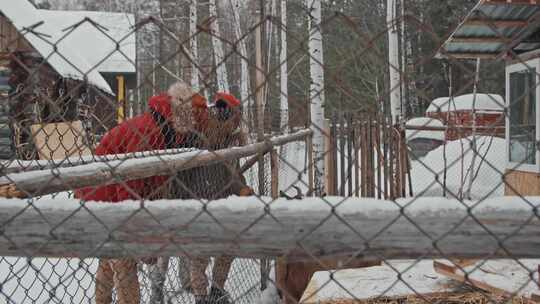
(250,152)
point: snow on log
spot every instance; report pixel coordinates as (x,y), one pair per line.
(34,183)
(262,227)
(19,165)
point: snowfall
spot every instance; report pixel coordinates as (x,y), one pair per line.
(71,280)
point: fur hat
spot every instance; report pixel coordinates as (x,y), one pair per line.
(188,108)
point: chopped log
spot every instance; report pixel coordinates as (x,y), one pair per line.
(245,227)
(43,182)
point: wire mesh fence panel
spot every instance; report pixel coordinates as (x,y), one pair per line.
(265,152)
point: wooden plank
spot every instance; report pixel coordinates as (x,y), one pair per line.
(454,273)
(333,135)
(274,173)
(342,153)
(350,158)
(363,162)
(328,158)
(59,141)
(356,159)
(378,159)
(169,228)
(521,183)
(43,182)
(310,169)
(385,155)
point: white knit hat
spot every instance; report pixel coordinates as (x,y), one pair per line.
(181,108)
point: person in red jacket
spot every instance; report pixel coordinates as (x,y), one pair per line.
(171,118)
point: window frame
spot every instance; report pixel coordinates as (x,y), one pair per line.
(512,68)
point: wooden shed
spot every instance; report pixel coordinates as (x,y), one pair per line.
(509,30)
(483,112)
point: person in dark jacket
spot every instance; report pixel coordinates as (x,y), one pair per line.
(167,124)
(211,183)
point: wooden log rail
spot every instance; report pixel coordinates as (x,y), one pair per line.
(42,182)
(18,165)
(247,227)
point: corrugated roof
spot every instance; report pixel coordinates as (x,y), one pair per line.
(493,28)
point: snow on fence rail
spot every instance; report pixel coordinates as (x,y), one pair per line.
(35,183)
(252,227)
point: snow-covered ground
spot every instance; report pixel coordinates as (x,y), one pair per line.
(41,280)
(407,277)
(427,174)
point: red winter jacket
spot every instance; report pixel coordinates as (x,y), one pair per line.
(140,133)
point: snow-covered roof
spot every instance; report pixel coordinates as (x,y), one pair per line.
(482,102)
(111,28)
(425,122)
(67,61)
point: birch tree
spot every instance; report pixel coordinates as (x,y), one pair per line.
(244,68)
(284,96)
(193,45)
(217,46)
(315,49)
(393,61)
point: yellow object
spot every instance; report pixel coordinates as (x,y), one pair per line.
(121,97)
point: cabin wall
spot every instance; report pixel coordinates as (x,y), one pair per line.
(522,183)
(10,39)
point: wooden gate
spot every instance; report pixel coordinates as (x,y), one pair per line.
(367,157)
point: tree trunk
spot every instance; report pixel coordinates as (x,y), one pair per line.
(217,45)
(284,94)
(194,49)
(474,144)
(315,46)
(393,61)
(244,68)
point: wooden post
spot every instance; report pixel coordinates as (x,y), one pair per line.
(274,169)
(363,161)
(334,152)
(356,160)
(341,154)
(309,146)
(329,161)
(378,158)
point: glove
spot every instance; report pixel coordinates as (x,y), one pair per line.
(246,191)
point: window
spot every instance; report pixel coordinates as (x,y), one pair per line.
(522,105)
